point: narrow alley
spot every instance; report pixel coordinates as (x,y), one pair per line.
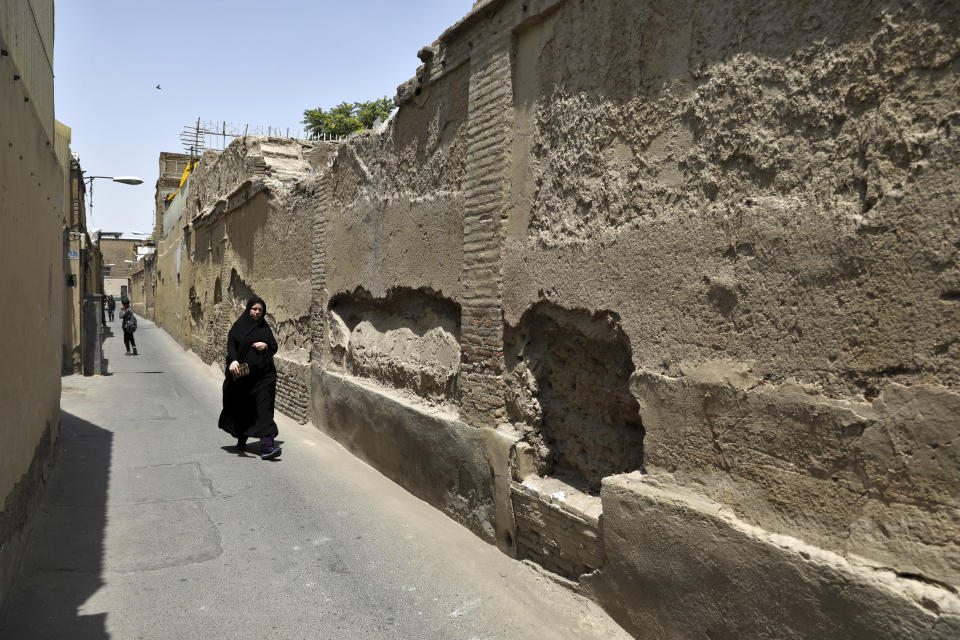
(152,526)
(578,320)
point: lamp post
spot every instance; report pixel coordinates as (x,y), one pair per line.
(121,179)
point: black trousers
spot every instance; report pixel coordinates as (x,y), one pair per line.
(128,340)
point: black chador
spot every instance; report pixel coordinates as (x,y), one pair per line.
(248,401)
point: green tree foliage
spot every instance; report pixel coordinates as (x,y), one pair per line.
(345,118)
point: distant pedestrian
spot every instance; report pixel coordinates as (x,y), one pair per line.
(128,322)
(111,307)
(250,384)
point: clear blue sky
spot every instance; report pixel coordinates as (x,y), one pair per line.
(238,60)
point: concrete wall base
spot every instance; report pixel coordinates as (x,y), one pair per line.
(680,566)
(430,453)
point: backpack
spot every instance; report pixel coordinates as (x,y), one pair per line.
(129,321)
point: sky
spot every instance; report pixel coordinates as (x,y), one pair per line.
(238,61)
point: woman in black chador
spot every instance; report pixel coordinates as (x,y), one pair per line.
(250,387)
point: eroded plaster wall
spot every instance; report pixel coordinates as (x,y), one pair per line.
(709,245)
(764,195)
(390,199)
(643,289)
(388,292)
(174,270)
(241,226)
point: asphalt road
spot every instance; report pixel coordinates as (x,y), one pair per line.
(152,527)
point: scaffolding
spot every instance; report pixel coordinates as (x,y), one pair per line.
(201,136)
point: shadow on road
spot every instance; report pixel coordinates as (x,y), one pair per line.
(63,564)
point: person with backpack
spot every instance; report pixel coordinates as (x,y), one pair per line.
(128,322)
(111,307)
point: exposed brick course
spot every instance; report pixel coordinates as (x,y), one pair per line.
(555,536)
(481,383)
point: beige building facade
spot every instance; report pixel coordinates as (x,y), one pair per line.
(119,260)
(143,286)
(172,167)
(659,296)
(32,246)
(83,264)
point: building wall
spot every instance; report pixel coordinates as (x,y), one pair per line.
(73,241)
(757,211)
(143,286)
(172,270)
(83,267)
(705,269)
(117,252)
(137,286)
(171,169)
(658,295)
(389,294)
(31,209)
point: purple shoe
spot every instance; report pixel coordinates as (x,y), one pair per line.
(270,452)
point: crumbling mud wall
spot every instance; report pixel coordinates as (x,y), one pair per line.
(246,230)
(765,196)
(659,295)
(407,341)
(387,298)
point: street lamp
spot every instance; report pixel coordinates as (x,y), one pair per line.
(121,179)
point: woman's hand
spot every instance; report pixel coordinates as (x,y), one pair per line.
(259,346)
(234,367)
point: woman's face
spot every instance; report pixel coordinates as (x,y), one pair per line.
(256,311)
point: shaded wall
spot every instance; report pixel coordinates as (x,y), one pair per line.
(82,262)
(31,209)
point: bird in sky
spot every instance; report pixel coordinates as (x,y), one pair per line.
(158,86)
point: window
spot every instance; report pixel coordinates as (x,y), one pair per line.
(106,272)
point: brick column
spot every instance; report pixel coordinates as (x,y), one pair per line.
(486,189)
(318,274)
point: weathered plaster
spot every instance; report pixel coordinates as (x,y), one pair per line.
(762,189)
(715,241)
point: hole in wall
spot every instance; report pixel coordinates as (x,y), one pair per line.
(409,339)
(196,310)
(567,391)
(239,291)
